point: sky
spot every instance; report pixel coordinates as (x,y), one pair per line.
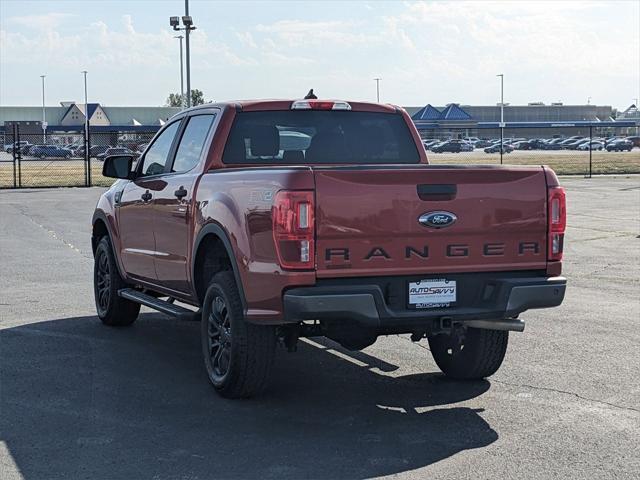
(424,52)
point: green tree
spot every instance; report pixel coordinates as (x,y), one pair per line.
(175,99)
(197,97)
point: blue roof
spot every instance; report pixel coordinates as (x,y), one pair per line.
(92,107)
(454,112)
(426,113)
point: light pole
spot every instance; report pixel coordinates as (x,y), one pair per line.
(181,73)
(86,130)
(187,21)
(501,75)
(377,79)
(44,118)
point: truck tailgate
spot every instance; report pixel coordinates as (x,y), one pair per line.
(368,220)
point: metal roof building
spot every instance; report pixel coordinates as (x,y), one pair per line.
(539,119)
(63,115)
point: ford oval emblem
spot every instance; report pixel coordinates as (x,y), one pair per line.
(437,219)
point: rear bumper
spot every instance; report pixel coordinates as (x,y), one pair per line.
(496,304)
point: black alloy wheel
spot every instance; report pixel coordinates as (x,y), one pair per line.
(103,282)
(219,337)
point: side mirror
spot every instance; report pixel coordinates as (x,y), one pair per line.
(118,166)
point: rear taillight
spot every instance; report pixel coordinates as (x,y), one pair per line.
(557,218)
(294,229)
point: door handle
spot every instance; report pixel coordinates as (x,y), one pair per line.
(180,193)
(146,196)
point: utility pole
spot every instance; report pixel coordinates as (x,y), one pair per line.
(187,21)
(181,73)
(187,31)
(377,79)
(501,75)
(44,118)
(87,157)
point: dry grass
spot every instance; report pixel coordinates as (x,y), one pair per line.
(56,173)
(562,162)
(61,173)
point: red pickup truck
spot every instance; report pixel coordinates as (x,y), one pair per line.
(268,221)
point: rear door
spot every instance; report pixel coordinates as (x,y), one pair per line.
(369,220)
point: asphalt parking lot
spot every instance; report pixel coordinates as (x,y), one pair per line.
(80,400)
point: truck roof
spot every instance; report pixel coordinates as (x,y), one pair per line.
(282,104)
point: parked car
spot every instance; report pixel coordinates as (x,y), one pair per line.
(575,144)
(26,150)
(96,150)
(114,151)
(521,145)
(565,144)
(141,148)
(74,147)
(595,145)
(506,148)
(9,147)
(620,145)
(466,146)
(460,273)
(481,143)
(635,140)
(536,144)
(50,151)
(450,146)
(553,144)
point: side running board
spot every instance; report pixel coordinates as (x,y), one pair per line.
(162,306)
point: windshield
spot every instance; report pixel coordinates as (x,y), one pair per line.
(316,137)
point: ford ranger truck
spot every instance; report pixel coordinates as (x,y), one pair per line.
(267,221)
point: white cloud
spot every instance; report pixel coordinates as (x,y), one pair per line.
(46,21)
(424,51)
(300,33)
(246,39)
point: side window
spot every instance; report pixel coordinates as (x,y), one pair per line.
(192,142)
(156,157)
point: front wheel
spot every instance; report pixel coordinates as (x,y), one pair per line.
(238,355)
(113,310)
(478,354)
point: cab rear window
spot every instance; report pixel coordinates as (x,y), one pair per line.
(319,137)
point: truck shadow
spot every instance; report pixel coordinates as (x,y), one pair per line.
(82,400)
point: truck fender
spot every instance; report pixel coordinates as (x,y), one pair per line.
(218,231)
(100,215)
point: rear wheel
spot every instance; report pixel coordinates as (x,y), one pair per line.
(112,309)
(478,354)
(238,355)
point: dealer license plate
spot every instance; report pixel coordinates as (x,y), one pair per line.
(432,293)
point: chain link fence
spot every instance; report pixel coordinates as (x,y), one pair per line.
(569,150)
(59,158)
(64,158)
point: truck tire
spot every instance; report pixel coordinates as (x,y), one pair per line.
(478,356)
(238,356)
(112,309)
